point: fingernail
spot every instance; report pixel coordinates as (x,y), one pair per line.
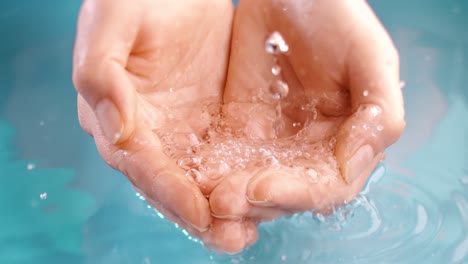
(259,193)
(109,120)
(358,163)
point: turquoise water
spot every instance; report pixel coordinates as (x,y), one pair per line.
(60,203)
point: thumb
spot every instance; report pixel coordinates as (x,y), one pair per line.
(373,77)
(105,35)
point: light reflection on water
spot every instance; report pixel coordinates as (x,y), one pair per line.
(413,210)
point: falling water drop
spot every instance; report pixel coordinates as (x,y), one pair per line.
(279,89)
(275,44)
(276,70)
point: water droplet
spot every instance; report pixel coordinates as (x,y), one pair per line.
(279,89)
(375,111)
(43,196)
(42,123)
(283,258)
(269,161)
(297,124)
(276,70)
(30,166)
(125,153)
(312,174)
(365,93)
(332,142)
(380,128)
(194,174)
(275,44)
(171,90)
(402,84)
(117,136)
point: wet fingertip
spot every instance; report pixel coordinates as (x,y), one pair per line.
(228,236)
(251,233)
(259,192)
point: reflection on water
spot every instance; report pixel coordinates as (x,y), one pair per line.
(413,210)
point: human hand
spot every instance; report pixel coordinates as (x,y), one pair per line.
(146,68)
(343,100)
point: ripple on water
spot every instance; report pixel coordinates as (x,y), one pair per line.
(392,220)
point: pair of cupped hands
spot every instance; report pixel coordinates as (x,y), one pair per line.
(135,61)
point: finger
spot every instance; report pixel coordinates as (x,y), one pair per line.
(296,192)
(232,236)
(159,178)
(229,201)
(247,102)
(105,35)
(377,102)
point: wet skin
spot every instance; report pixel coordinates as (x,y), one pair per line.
(138,62)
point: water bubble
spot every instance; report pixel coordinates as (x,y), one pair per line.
(275,44)
(30,166)
(365,93)
(194,174)
(43,196)
(279,89)
(276,70)
(283,258)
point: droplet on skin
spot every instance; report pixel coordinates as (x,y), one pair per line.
(276,70)
(402,84)
(365,93)
(279,89)
(275,44)
(297,124)
(380,128)
(194,175)
(269,161)
(375,111)
(171,90)
(117,136)
(312,174)
(43,196)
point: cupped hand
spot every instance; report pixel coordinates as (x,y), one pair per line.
(342,105)
(148,69)
(144,69)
